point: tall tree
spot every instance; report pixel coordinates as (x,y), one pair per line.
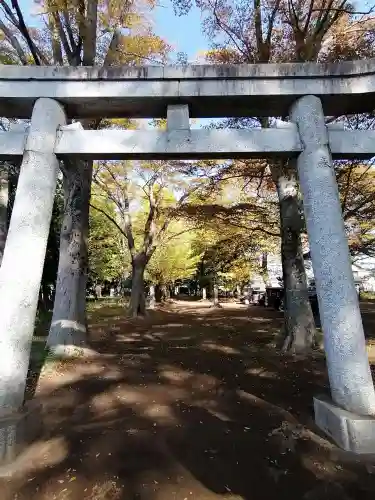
(7,169)
(152,186)
(85,33)
(174,259)
(108,256)
(260,31)
(236,213)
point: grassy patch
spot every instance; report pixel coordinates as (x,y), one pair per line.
(42,323)
(38,351)
(367,295)
(106,308)
(39,354)
(107,302)
(319,341)
(38,360)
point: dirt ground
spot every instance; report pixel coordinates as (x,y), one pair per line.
(190,403)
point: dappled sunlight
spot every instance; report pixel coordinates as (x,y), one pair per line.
(371,351)
(182,405)
(70,371)
(161,414)
(256,319)
(132,338)
(260,372)
(326,468)
(170,325)
(211,346)
(174,375)
(41,454)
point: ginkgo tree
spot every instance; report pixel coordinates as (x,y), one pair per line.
(76,33)
(108,253)
(262,31)
(238,221)
(174,259)
(148,196)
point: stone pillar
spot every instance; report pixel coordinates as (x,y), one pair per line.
(23,260)
(348,367)
(4,198)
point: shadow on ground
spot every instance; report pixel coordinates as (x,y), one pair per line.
(190,403)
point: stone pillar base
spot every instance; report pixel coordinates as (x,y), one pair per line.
(350,432)
(18,430)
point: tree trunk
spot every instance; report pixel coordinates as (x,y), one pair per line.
(151,302)
(69,322)
(204,293)
(265,274)
(298,316)
(44,302)
(162,293)
(216,296)
(165,293)
(13,175)
(137,305)
(4,200)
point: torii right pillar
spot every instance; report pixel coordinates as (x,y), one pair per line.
(349,418)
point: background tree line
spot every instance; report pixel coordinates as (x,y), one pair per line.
(159,222)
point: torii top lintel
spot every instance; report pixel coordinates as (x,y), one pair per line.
(210,91)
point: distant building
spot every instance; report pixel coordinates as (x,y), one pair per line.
(274,271)
(363,268)
(363,271)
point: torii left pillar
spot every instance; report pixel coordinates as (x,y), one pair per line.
(22,268)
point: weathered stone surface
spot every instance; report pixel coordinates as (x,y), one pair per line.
(364,67)
(24,254)
(178,117)
(351,432)
(17,431)
(348,367)
(190,144)
(202,143)
(210,91)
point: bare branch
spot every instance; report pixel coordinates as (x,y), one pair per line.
(228,31)
(12,39)
(110,56)
(110,218)
(68,28)
(347,11)
(56,44)
(65,43)
(271,23)
(38,57)
(9,14)
(89,37)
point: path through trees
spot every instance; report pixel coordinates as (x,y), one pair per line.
(192,402)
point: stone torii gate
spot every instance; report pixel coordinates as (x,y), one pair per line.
(304,92)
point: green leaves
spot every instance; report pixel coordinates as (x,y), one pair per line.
(108,254)
(174,258)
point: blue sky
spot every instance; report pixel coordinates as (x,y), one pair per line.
(183,33)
